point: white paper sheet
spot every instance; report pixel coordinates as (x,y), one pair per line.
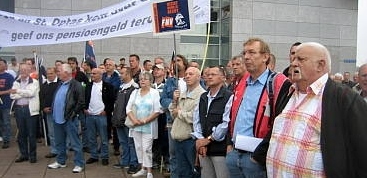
(247,143)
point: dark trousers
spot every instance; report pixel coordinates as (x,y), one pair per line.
(27,126)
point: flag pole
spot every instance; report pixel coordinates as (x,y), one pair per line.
(174,50)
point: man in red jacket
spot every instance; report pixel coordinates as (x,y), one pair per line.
(252,110)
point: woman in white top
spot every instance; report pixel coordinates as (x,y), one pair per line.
(142,109)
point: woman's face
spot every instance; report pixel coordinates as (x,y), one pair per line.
(144,82)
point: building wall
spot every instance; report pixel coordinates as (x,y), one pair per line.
(332,23)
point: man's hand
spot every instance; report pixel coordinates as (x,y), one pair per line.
(176,95)
(47,110)
(202,151)
(229,148)
(175,112)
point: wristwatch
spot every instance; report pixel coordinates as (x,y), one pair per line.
(210,138)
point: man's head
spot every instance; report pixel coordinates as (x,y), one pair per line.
(96,75)
(126,74)
(194,64)
(31,63)
(87,66)
(158,60)
(51,73)
(64,72)
(73,62)
(312,60)
(24,70)
(102,67)
(58,63)
(362,77)
(355,77)
(3,65)
(158,71)
(122,61)
(192,76)
(13,61)
(271,62)
(338,77)
(216,77)
(292,51)
(109,65)
(346,76)
(134,61)
(180,62)
(238,66)
(147,64)
(256,54)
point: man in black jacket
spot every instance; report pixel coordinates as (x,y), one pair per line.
(83,79)
(47,93)
(321,131)
(68,102)
(128,157)
(99,97)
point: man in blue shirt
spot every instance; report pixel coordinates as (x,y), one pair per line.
(6,83)
(68,102)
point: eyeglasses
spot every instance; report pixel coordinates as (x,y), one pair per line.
(213,74)
(250,52)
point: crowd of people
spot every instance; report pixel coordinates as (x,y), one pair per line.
(240,120)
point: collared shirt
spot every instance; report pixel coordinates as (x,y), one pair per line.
(23,85)
(96,105)
(58,107)
(220,131)
(48,81)
(247,110)
(129,84)
(294,149)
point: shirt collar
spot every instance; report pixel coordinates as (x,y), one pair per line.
(316,87)
(262,78)
(48,81)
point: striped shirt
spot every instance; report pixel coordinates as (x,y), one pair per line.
(294,149)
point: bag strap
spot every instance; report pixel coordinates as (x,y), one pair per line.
(270,88)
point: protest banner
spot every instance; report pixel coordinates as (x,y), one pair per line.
(125,18)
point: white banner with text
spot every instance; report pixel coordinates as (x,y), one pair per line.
(126,18)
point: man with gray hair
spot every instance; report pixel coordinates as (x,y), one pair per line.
(67,104)
(362,81)
(320,132)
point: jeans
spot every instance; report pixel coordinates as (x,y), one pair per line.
(185,155)
(51,132)
(97,124)
(240,165)
(172,155)
(5,127)
(128,155)
(27,126)
(83,126)
(68,129)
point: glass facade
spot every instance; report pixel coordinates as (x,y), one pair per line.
(194,43)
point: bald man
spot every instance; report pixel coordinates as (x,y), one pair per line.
(181,110)
(99,97)
(362,81)
(320,132)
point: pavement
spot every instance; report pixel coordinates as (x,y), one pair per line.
(10,169)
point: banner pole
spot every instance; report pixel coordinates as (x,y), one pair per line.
(174,49)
